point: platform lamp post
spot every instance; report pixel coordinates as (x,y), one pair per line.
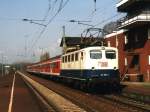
(25,48)
(2,64)
(4,61)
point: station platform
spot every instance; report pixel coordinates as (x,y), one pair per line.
(137,87)
(15,96)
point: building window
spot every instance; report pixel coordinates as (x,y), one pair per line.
(125,39)
(117,41)
(109,45)
(148,33)
(136,38)
(125,61)
(149,60)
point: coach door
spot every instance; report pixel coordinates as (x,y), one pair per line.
(81,60)
(135,64)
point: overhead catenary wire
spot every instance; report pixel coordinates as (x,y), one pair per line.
(107,19)
(45,17)
(51,19)
(50,8)
(61,6)
(59,9)
(10,19)
(94,5)
(98,10)
(103,21)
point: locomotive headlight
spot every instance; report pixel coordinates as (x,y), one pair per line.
(115,68)
(93,68)
(103,48)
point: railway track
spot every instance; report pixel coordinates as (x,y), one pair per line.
(137,97)
(54,101)
(93,102)
(129,103)
(45,106)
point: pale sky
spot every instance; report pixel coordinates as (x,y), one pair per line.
(15,34)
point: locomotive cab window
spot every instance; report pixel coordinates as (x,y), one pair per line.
(95,54)
(110,54)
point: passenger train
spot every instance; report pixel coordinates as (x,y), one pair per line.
(85,67)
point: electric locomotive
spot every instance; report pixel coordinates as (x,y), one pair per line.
(91,65)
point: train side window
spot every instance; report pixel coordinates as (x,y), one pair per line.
(82,55)
(68,58)
(72,57)
(51,65)
(65,58)
(76,56)
(56,64)
(110,54)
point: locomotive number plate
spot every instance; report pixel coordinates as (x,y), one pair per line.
(104,75)
(103,64)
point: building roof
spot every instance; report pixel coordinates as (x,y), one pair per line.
(71,41)
(74,41)
(128,5)
(115,33)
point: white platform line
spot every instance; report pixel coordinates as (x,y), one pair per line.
(12,94)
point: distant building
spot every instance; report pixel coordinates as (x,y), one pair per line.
(128,60)
(69,44)
(134,42)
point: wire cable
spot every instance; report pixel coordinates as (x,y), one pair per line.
(52,18)
(10,19)
(107,19)
(50,8)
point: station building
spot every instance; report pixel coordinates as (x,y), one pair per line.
(133,40)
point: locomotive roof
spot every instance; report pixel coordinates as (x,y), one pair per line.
(73,41)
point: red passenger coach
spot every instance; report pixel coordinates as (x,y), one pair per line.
(48,67)
(44,66)
(55,66)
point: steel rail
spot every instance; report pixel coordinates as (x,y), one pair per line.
(59,103)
